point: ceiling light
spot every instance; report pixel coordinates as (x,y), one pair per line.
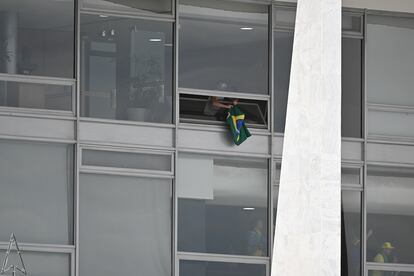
(103,16)
(155,39)
(249,208)
(246,28)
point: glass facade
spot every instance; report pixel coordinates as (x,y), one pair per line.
(114,158)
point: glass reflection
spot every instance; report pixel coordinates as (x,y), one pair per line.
(143,6)
(223,43)
(222,205)
(198,268)
(126,69)
(34,43)
(390,216)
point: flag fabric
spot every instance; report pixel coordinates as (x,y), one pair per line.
(235,120)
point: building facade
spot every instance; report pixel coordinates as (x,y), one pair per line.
(114,159)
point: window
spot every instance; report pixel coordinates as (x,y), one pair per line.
(36,199)
(390,67)
(198,109)
(141,6)
(124,225)
(35,95)
(126,69)
(222,205)
(42,263)
(34,43)
(223,46)
(390,214)
(205,268)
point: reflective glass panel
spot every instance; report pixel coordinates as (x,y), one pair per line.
(36,199)
(351,233)
(126,160)
(142,6)
(41,263)
(223,46)
(352,23)
(222,205)
(351,176)
(389,273)
(32,42)
(198,268)
(34,95)
(124,226)
(126,69)
(390,215)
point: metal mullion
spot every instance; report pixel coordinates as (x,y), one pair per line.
(272,163)
(389,13)
(390,267)
(36,113)
(390,142)
(36,247)
(209,257)
(219,128)
(125,122)
(363,254)
(239,95)
(391,164)
(222,153)
(36,139)
(126,145)
(120,149)
(130,15)
(127,173)
(37,79)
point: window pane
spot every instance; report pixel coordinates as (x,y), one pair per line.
(124,226)
(222,205)
(126,69)
(352,23)
(34,95)
(351,176)
(199,268)
(351,233)
(141,161)
(351,87)
(283,42)
(200,109)
(40,263)
(390,218)
(223,46)
(390,60)
(146,6)
(34,43)
(36,199)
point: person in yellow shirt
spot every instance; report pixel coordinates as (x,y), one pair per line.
(385,256)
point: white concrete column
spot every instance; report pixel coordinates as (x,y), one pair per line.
(308,227)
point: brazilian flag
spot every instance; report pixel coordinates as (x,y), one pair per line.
(235,120)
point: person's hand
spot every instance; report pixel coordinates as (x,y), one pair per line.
(229,106)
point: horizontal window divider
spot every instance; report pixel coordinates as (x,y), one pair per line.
(351,164)
(37,79)
(195,122)
(37,113)
(221,128)
(118,149)
(357,188)
(37,139)
(389,13)
(390,267)
(390,164)
(208,257)
(350,34)
(390,108)
(132,15)
(88,143)
(285,29)
(284,4)
(37,247)
(391,140)
(222,153)
(125,172)
(127,123)
(343,139)
(245,96)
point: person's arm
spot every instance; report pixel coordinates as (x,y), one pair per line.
(216,102)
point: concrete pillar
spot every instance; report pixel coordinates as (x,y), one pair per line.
(308,227)
(9,24)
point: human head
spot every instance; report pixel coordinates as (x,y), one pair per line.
(387,248)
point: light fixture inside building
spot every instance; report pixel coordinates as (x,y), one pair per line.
(103,16)
(249,208)
(155,39)
(246,28)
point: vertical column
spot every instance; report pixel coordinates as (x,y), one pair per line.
(308,227)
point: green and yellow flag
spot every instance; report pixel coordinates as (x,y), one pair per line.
(235,120)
